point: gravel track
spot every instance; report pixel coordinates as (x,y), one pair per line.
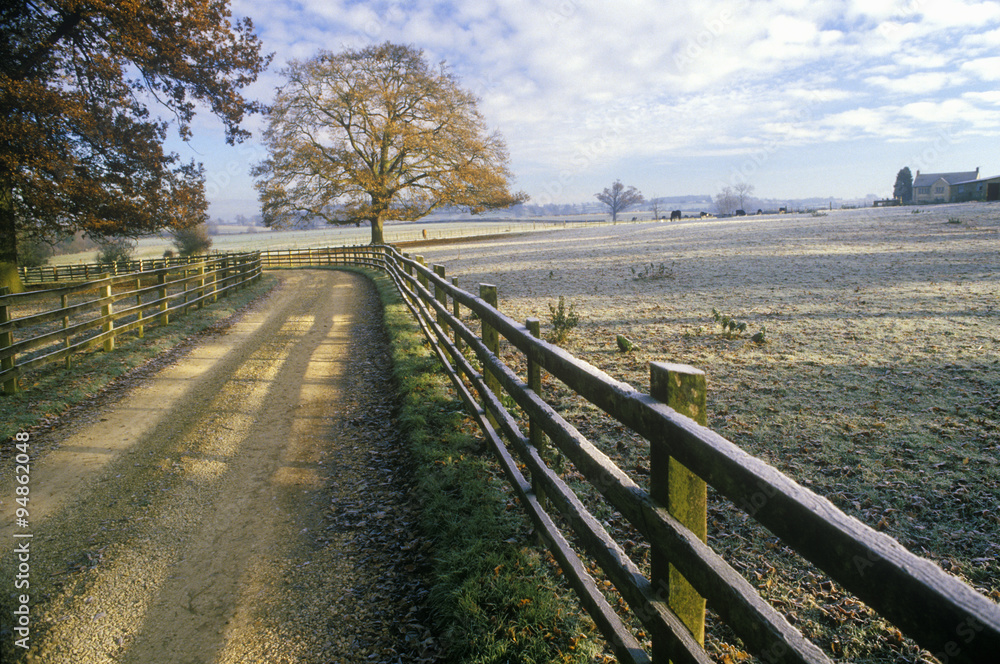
(246,504)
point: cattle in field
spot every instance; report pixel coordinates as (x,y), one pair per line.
(676,214)
(703,215)
(741,213)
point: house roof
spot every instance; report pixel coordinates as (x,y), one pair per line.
(994,177)
(927,179)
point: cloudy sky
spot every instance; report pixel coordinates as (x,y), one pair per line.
(800,98)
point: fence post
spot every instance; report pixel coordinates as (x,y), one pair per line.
(441,296)
(107,309)
(683,493)
(200,293)
(457,311)
(162,294)
(421,277)
(64,300)
(535,433)
(491,339)
(138,300)
(6,340)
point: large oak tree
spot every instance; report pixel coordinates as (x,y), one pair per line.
(376,134)
(80,149)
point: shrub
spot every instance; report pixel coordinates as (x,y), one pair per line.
(32,252)
(563,320)
(116,251)
(192,240)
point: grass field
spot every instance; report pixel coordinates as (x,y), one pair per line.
(877,383)
(336,236)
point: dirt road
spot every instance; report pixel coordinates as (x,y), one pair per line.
(246,504)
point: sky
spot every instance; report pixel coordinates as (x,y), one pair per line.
(799,98)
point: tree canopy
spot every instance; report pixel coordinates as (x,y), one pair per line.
(903,189)
(377,134)
(80,149)
(618,199)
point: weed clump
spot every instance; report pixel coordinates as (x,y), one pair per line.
(653,271)
(563,320)
(734,329)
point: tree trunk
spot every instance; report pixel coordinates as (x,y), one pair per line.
(377,236)
(9,276)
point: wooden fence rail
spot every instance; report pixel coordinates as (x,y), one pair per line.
(89,271)
(175,290)
(937,610)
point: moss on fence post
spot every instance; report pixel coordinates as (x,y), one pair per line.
(683,493)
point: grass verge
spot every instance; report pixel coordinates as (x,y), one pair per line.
(495,598)
(51,390)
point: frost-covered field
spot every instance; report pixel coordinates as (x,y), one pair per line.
(877,385)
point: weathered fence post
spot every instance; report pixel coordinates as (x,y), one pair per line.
(535,433)
(138,300)
(215,281)
(491,339)
(7,340)
(64,301)
(684,494)
(107,309)
(421,277)
(441,296)
(457,311)
(162,295)
(200,293)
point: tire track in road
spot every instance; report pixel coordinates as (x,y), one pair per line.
(211,504)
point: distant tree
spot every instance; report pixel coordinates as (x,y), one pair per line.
(618,199)
(378,134)
(744,195)
(903,189)
(655,207)
(726,201)
(79,147)
(192,240)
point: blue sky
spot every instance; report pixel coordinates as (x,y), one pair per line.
(797,97)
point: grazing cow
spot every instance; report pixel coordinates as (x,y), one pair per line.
(702,215)
(741,213)
(783,210)
(676,214)
(759,211)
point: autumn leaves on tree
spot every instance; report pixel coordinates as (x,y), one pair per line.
(377,134)
(358,136)
(80,149)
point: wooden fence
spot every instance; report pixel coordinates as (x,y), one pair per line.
(87,271)
(935,609)
(54,334)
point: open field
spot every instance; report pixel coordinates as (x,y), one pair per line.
(877,384)
(337,236)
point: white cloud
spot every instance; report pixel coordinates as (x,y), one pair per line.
(917,84)
(582,85)
(986,69)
